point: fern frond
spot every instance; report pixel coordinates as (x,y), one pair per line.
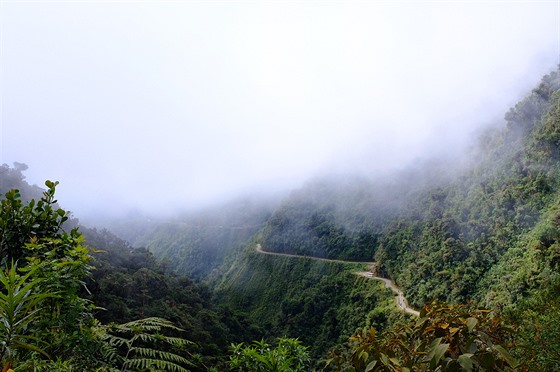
(158,365)
(151,323)
(160,355)
(110,354)
(146,337)
(177,341)
(123,338)
(115,340)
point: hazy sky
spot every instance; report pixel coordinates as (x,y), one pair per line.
(169,104)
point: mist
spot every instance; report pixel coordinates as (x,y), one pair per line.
(160,107)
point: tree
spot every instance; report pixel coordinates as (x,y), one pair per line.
(21,224)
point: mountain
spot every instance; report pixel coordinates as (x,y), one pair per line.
(484,229)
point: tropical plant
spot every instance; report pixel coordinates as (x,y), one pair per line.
(52,266)
(67,320)
(19,309)
(140,344)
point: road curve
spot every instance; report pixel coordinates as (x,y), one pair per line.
(400,300)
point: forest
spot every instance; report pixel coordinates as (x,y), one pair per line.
(474,245)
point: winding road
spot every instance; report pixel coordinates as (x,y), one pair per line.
(400,300)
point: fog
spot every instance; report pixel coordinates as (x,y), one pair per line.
(161,106)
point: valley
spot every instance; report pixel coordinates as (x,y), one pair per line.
(474,244)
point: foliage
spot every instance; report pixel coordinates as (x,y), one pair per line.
(538,317)
(288,356)
(55,263)
(66,320)
(444,338)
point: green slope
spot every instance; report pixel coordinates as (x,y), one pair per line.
(322,303)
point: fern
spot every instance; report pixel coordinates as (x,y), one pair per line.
(134,346)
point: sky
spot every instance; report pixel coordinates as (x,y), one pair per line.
(165,105)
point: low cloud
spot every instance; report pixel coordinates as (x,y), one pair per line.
(162,106)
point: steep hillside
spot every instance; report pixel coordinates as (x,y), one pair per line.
(343,216)
(441,239)
(447,243)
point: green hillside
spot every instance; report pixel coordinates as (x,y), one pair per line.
(446,239)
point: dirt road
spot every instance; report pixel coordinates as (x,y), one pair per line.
(400,300)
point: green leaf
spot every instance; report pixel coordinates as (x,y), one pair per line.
(385,360)
(465,362)
(507,356)
(370,366)
(437,351)
(471,323)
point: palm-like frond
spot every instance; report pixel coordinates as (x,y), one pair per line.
(134,345)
